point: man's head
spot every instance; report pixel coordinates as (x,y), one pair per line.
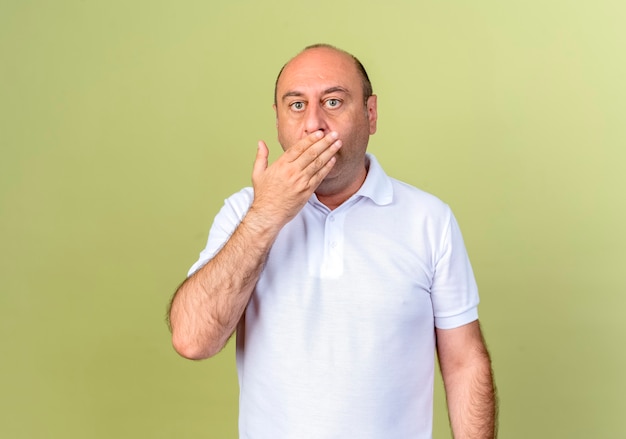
(326,89)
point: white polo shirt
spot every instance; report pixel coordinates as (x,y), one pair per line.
(338,338)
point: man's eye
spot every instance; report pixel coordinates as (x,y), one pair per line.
(333,103)
(297,106)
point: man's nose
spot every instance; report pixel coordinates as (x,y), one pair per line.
(315,120)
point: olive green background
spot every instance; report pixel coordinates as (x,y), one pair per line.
(124,125)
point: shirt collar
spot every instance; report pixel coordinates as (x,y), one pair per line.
(377,185)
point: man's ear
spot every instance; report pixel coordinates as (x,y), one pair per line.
(372,112)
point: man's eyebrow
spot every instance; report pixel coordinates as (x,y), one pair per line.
(292,94)
(335,90)
(299,94)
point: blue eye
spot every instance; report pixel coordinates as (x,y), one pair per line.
(333,103)
(298,106)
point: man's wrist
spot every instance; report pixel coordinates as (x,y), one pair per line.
(263,226)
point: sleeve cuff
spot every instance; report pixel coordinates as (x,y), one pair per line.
(451,322)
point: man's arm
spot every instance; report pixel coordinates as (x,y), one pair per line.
(468,380)
(206,308)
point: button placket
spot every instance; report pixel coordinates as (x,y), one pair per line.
(332,264)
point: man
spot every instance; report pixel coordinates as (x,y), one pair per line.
(340,281)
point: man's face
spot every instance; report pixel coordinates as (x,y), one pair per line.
(321,89)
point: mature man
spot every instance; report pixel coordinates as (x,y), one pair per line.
(340,281)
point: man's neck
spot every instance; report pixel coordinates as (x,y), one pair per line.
(333,200)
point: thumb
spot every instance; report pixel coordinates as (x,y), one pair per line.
(260,163)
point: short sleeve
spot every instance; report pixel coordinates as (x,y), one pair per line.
(454,291)
(226,221)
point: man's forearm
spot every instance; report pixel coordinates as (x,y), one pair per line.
(471,397)
(468,380)
(206,308)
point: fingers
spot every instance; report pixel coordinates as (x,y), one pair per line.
(300,147)
(260,163)
(315,150)
(321,173)
(301,168)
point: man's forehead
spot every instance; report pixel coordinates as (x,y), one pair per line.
(321,68)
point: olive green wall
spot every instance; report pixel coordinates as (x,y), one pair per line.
(124,124)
